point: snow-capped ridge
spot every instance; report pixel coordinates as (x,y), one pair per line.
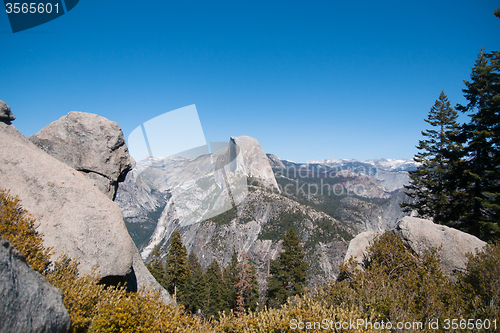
(383,164)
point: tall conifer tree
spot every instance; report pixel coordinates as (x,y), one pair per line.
(252,295)
(434,184)
(246,287)
(196,287)
(231,273)
(215,295)
(288,272)
(177,272)
(483,146)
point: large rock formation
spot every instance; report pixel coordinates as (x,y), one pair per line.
(145,279)
(151,209)
(453,245)
(357,246)
(309,198)
(90,144)
(423,235)
(256,226)
(73,216)
(29,303)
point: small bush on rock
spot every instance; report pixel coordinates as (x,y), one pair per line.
(18,228)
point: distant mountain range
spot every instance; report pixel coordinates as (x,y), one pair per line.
(382,164)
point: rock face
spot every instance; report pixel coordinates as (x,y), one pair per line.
(255,161)
(90,144)
(392,180)
(421,235)
(5,113)
(358,245)
(145,279)
(194,189)
(73,216)
(257,227)
(29,303)
(275,162)
(255,224)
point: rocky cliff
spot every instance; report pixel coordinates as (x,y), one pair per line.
(191,189)
(256,226)
(72,214)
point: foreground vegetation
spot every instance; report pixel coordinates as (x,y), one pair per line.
(393,284)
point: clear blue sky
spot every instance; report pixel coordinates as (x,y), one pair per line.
(307,79)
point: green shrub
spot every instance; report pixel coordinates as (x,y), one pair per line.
(81,293)
(17,227)
(480,283)
(395,284)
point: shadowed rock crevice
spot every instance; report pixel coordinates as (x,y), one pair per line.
(102,182)
(129,281)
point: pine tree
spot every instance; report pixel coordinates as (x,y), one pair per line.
(214,296)
(176,268)
(434,184)
(156,266)
(231,273)
(483,146)
(288,272)
(196,287)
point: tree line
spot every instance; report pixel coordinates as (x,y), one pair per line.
(458,181)
(232,288)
